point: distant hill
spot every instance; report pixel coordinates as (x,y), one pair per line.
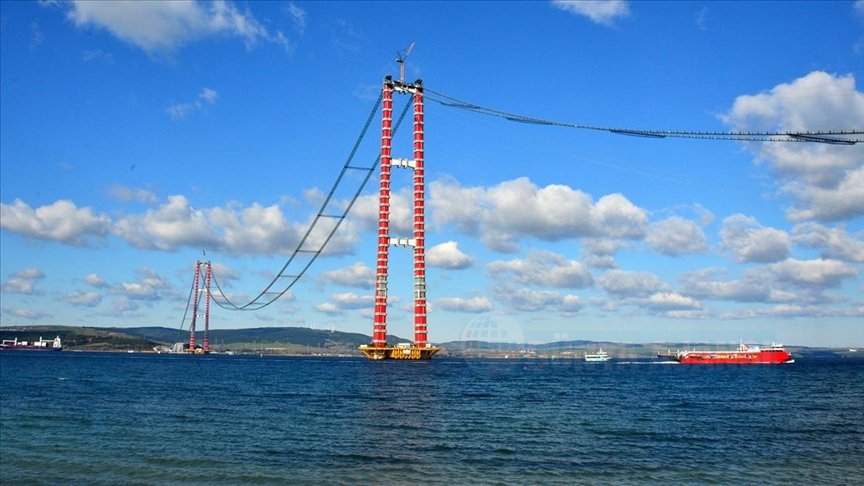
(288,340)
(305,341)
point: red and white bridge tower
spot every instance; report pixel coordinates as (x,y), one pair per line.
(420,348)
(196,297)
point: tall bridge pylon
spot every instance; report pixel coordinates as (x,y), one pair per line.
(420,348)
(197,297)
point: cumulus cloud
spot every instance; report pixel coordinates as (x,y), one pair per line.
(83,299)
(515,209)
(150,286)
(356,275)
(447,255)
(751,242)
(826,182)
(529,300)
(600,252)
(671,301)
(677,236)
(544,269)
(62,221)
(162,27)
(626,284)
(815,273)
(834,242)
(603,12)
(94,280)
(790,281)
(175,224)
(23,282)
(459,304)
(345,301)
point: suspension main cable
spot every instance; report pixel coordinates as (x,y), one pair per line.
(259,301)
(834,137)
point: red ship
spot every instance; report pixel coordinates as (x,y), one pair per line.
(745,354)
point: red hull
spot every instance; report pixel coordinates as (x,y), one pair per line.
(774,354)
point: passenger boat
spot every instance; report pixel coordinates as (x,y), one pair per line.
(745,354)
(40,345)
(599,356)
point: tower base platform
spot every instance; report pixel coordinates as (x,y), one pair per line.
(399,352)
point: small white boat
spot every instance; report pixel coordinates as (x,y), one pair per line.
(597,357)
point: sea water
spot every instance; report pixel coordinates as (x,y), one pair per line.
(112,418)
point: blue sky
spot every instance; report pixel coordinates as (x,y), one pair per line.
(137,135)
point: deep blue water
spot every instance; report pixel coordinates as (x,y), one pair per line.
(105,418)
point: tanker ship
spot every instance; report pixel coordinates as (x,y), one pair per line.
(745,354)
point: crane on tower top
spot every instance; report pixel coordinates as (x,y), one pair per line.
(400,58)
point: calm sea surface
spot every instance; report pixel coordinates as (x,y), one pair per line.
(105,418)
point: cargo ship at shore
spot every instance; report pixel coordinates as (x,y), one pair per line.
(745,354)
(40,345)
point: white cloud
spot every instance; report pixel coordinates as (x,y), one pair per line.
(94,280)
(346,301)
(150,286)
(600,252)
(61,221)
(298,16)
(356,275)
(835,242)
(825,181)
(544,269)
(815,273)
(128,194)
(162,27)
(178,111)
(604,12)
(83,299)
(671,301)
(528,300)
(23,282)
(447,255)
(571,304)
(676,236)
(751,242)
(459,304)
(26,313)
(511,210)
(624,284)
(788,282)
(752,287)
(845,200)
(328,308)
(350,300)
(173,224)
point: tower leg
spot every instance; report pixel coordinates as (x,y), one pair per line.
(419,223)
(207,310)
(379,330)
(194,308)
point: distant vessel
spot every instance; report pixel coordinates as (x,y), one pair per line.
(40,345)
(597,357)
(745,354)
